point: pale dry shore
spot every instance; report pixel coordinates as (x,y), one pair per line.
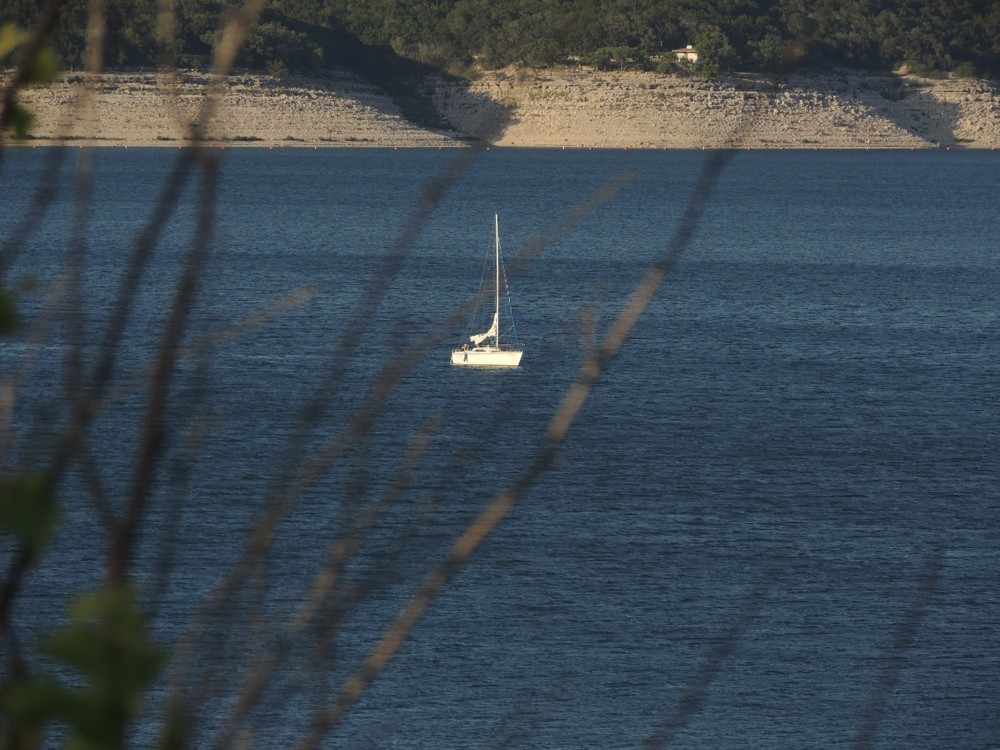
(558,108)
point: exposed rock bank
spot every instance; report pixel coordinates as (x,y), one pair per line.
(572,107)
(150,109)
(645,110)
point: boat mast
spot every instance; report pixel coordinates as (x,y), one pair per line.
(496,228)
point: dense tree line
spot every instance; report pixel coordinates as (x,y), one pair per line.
(927,36)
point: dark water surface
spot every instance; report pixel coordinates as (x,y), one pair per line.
(775,521)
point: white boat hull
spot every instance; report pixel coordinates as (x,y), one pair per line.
(487,357)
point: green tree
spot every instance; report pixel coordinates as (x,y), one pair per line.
(715,52)
(273,45)
(936,35)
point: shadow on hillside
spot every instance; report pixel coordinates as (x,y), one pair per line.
(908,104)
(915,109)
(408,83)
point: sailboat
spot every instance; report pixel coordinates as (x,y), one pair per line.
(493,348)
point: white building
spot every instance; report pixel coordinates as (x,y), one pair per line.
(686,54)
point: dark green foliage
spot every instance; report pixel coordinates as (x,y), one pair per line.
(766,35)
(616,58)
(28,510)
(274,46)
(8,313)
(106,644)
(716,54)
(42,69)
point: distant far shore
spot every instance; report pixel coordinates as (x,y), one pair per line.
(550,108)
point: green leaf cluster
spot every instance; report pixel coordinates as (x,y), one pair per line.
(44,66)
(29,511)
(42,69)
(107,645)
(8,312)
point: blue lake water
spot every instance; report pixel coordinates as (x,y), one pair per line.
(775,519)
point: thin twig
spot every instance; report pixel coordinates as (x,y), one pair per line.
(43,196)
(902,644)
(501,506)
(359,426)
(694,697)
(325,583)
(150,447)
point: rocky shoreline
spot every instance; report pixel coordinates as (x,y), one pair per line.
(558,108)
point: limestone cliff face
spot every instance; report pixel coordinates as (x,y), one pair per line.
(645,110)
(153,109)
(571,107)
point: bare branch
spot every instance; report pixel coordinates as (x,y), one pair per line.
(694,697)
(151,441)
(902,643)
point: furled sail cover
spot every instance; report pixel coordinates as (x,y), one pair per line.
(494,330)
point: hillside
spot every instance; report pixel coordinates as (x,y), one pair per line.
(763,36)
(645,110)
(565,107)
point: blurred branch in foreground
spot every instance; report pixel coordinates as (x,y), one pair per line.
(107,635)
